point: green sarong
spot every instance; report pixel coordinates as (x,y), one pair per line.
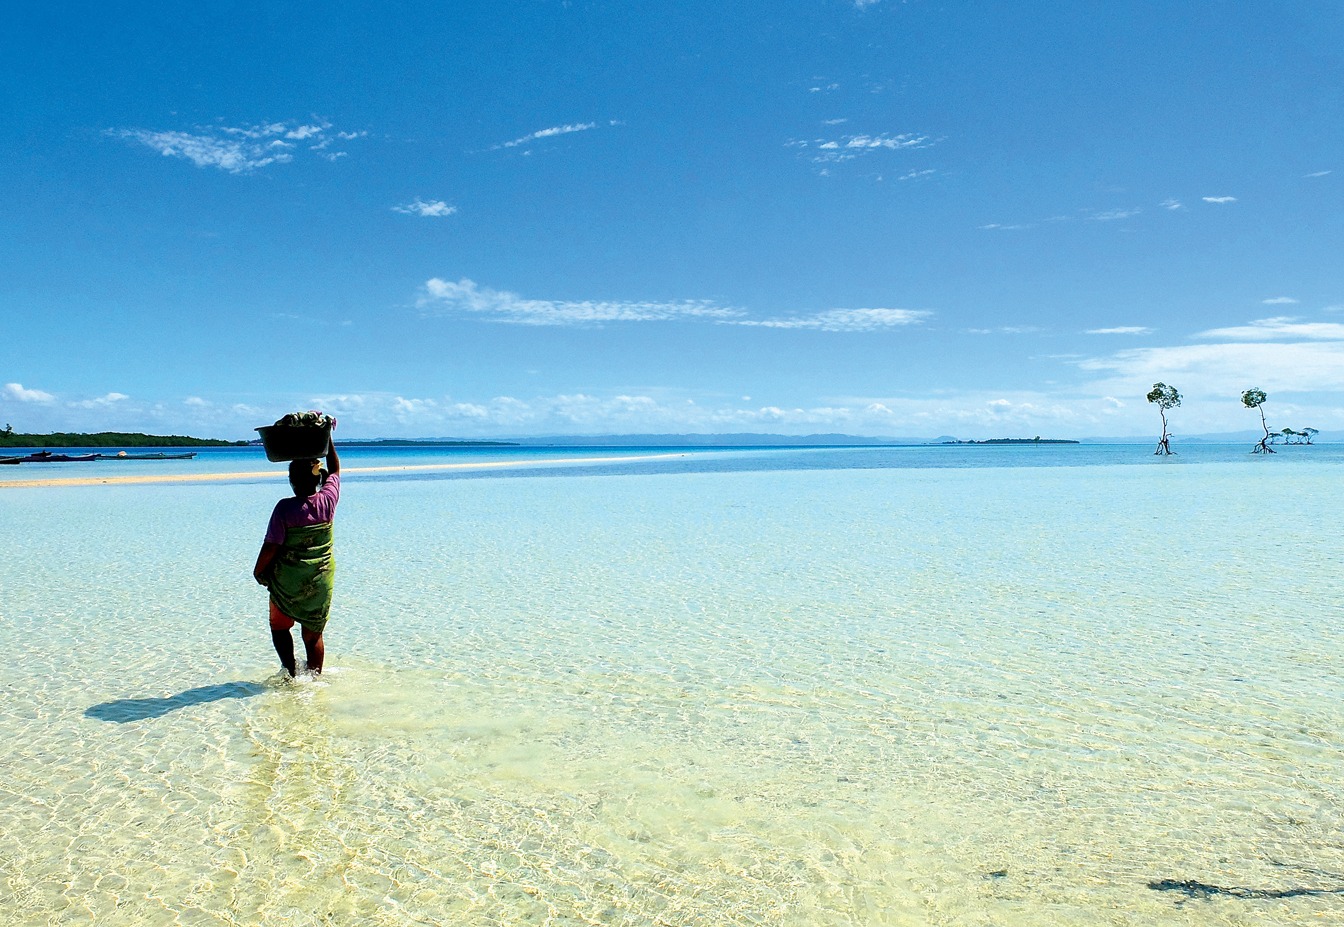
(302,576)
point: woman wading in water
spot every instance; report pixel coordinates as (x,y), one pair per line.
(296,562)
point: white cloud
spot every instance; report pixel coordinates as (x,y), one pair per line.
(236,149)
(1121,330)
(208,151)
(465,297)
(1300,364)
(1005,330)
(100,402)
(1278,329)
(303,132)
(996,227)
(549,133)
(889,142)
(1171,204)
(1063,412)
(1279,301)
(844,320)
(405,409)
(1318,173)
(849,147)
(427,208)
(1114,214)
(1220,199)
(16,392)
(864,4)
(916,175)
(1224,369)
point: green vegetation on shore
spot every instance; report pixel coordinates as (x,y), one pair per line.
(10,438)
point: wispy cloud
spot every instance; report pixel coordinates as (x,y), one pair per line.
(241,149)
(1224,369)
(918,175)
(100,402)
(427,208)
(844,320)
(1172,204)
(1121,330)
(1318,173)
(864,4)
(1219,199)
(464,297)
(870,142)
(1279,301)
(1089,215)
(1112,215)
(849,147)
(18,393)
(1282,328)
(1005,330)
(552,132)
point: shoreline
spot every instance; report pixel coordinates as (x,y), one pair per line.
(282,474)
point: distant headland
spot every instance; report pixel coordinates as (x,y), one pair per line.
(11,438)
(420,442)
(1017,441)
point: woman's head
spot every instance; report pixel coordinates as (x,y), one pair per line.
(305,476)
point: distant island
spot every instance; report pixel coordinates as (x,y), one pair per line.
(421,442)
(1017,441)
(10,438)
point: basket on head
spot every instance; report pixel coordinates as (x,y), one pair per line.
(294,442)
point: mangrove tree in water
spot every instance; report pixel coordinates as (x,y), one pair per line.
(1255,399)
(1166,397)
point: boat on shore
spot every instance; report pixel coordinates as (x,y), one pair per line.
(125,456)
(49,457)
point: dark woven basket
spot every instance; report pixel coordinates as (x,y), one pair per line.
(294,442)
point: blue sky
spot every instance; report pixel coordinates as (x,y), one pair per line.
(478,219)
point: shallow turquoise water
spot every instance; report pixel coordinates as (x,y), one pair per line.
(786,687)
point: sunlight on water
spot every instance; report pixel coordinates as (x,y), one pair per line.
(975,696)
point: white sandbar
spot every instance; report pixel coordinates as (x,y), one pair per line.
(277,474)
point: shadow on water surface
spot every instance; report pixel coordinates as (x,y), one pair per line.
(1192,888)
(124,710)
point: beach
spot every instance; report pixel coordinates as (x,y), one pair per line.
(858,687)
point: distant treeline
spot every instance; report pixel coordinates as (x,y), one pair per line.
(11,438)
(1016,441)
(429,442)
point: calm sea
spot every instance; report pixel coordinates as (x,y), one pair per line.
(979,686)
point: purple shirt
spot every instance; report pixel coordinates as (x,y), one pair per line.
(294,512)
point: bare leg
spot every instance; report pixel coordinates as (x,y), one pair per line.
(316,651)
(284,646)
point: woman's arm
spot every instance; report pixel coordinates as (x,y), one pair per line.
(264,560)
(333,461)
